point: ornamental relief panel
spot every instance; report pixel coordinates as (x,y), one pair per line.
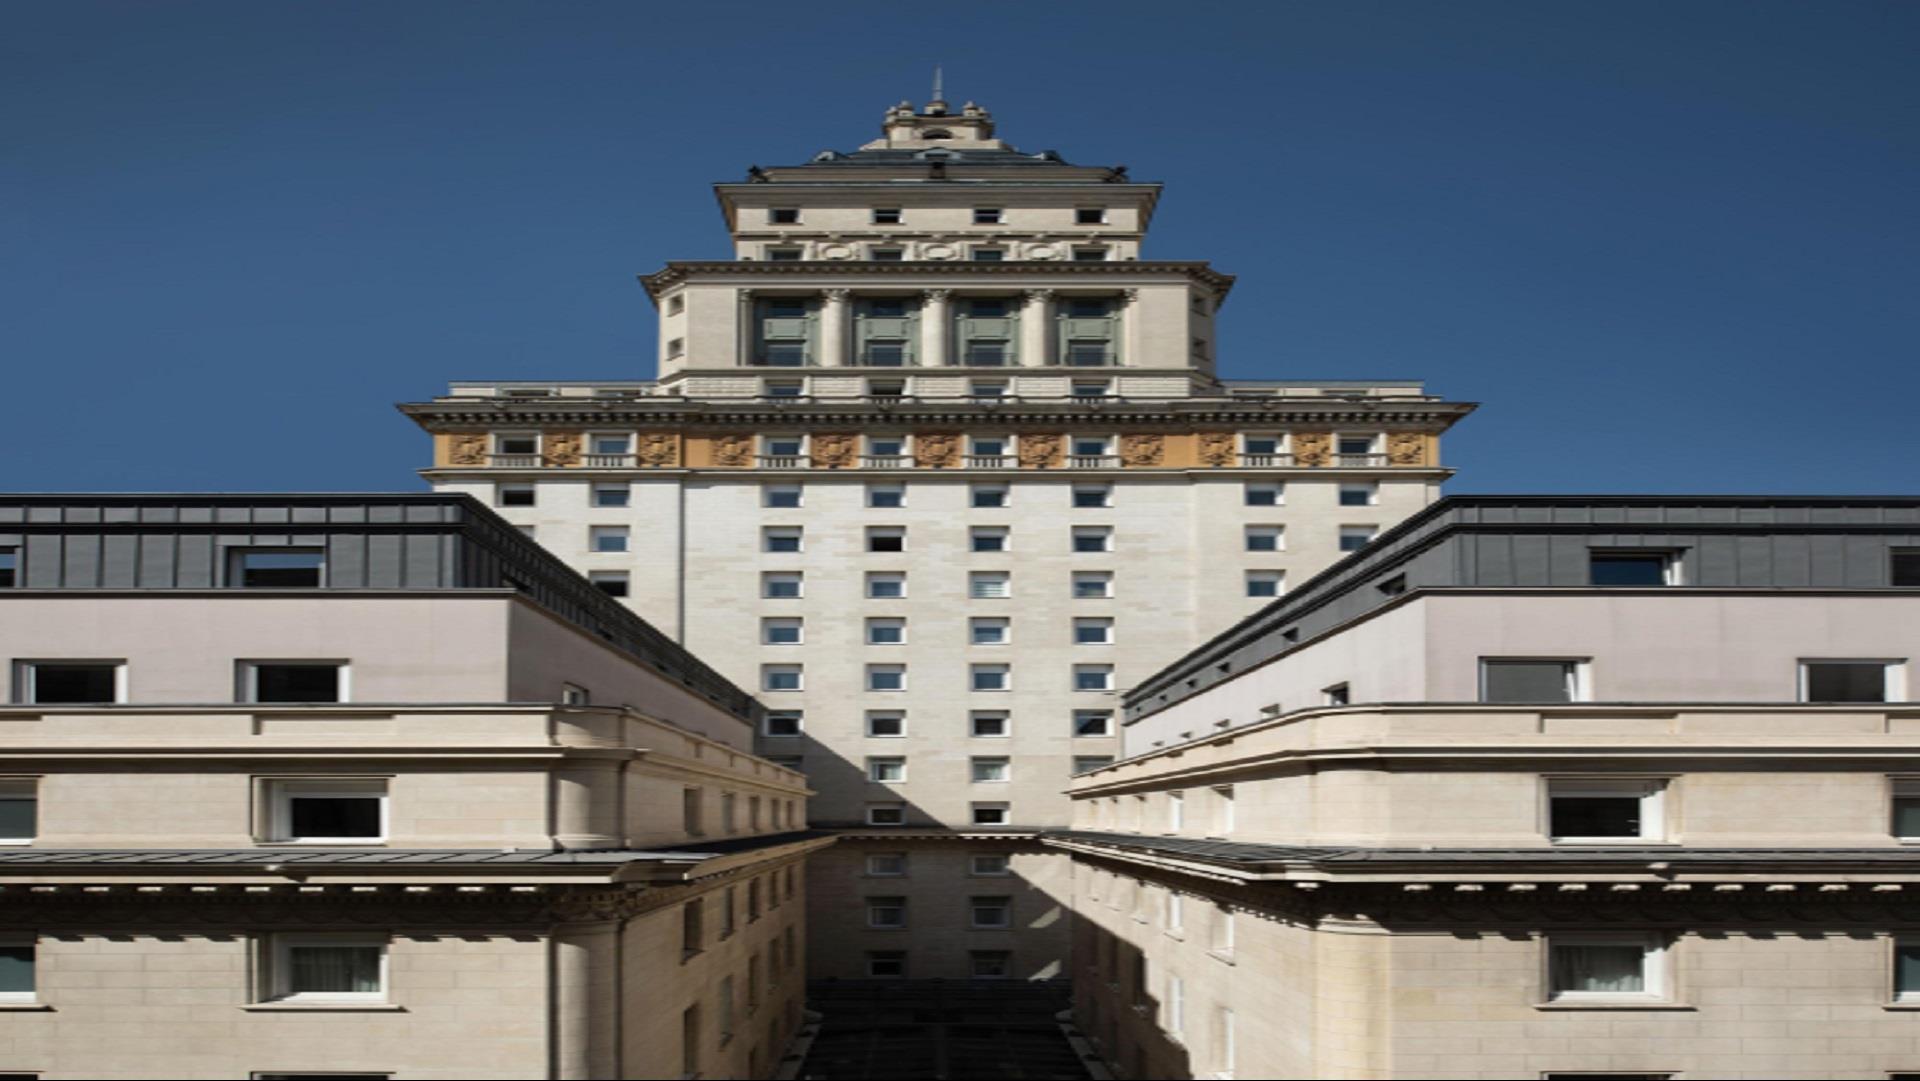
(1312,448)
(835,450)
(936,450)
(732,449)
(562,448)
(468,448)
(1217,448)
(1407,448)
(1142,449)
(659,448)
(1040,450)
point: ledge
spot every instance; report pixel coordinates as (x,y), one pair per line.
(323,1007)
(1669,1007)
(25,1007)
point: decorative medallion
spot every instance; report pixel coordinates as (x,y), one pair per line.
(937,251)
(659,448)
(469,449)
(1141,448)
(835,251)
(936,450)
(1040,450)
(562,448)
(1407,448)
(835,450)
(1216,448)
(732,449)
(1312,448)
(1041,251)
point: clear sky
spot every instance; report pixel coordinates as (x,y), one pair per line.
(1671,246)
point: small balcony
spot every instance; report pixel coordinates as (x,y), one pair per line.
(1093,461)
(514,461)
(885,461)
(609,461)
(991,461)
(1266,459)
(782,461)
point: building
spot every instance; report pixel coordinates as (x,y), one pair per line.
(371,786)
(940,463)
(1546,787)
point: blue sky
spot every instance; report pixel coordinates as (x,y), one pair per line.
(1670,246)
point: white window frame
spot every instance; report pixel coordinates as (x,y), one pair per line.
(797,624)
(799,496)
(1103,624)
(872,488)
(1104,579)
(979,580)
(1105,670)
(878,669)
(771,533)
(1655,968)
(975,716)
(768,578)
(998,532)
(975,671)
(1107,731)
(896,622)
(890,764)
(250,679)
(1005,770)
(279,794)
(1274,535)
(1893,678)
(1004,808)
(23,998)
(1651,792)
(886,576)
(277,953)
(897,811)
(1100,533)
(1001,623)
(26,678)
(1278,489)
(596,534)
(768,672)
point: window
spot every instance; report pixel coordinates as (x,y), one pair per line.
(886,723)
(989,538)
(1848,681)
(1906,970)
(19,810)
(887,964)
(1630,568)
(886,632)
(729,823)
(989,495)
(10,568)
(989,964)
(987,447)
(1264,495)
(1265,583)
(1089,253)
(1223,809)
(17,970)
(1092,585)
(1340,694)
(325,968)
(1359,495)
(883,352)
(990,677)
(1220,938)
(783,215)
(784,722)
(1087,763)
(886,446)
(781,585)
(1093,631)
(987,353)
(990,913)
(1604,968)
(676,347)
(886,814)
(1176,811)
(886,496)
(1349,445)
(1265,538)
(782,631)
(887,865)
(781,538)
(1906,809)
(783,388)
(1089,215)
(327,810)
(983,724)
(1605,809)
(1089,446)
(1093,677)
(1530,681)
(65,683)
(991,770)
(986,215)
(725,996)
(504,495)
(781,255)
(293,682)
(1903,567)
(516,443)
(886,388)
(1224,1051)
(610,444)
(1093,495)
(989,630)
(277,568)
(886,585)
(886,677)
(1092,538)
(612,495)
(887,913)
(691,807)
(780,677)
(886,539)
(1355,537)
(1174,1014)
(607,538)
(780,496)
(1092,388)
(989,585)
(990,814)
(886,215)
(989,255)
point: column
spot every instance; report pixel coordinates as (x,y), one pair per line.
(586,804)
(1036,329)
(935,322)
(1132,341)
(586,1000)
(833,328)
(745,331)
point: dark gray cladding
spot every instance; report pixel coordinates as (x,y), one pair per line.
(1548,542)
(370,542)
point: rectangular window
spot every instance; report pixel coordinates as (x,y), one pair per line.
(293,682)
(990,865)
(612,495)
(782,631)
(1605,810)
(607,538)
(990,913)
(1848,681)
(990,814)
(1265,538)
(989,538)
(1223,810)
(1093,495)
(991,770)
(18,965)
(886,215)
(1348,446)
(989,255)
(1088,352)
(1906,808)
(1092,585)
(982,723)
(886,388)
(1087,763)
(1603,968)
(516,443)
(1530,681)
(990,677)
(989,964)
(1174,1016)
(987,353)
(886,677)
(782,255)
(989,495)
(1092,538)
(986,215)
(989,630)
(884,352)
(1339,694)
(1093,677)
(1903,566)
(277,568)
(1176,811)
(326,968)
(692,808)
(19,810)
(886,632)
(781,585)
(1089,253)
(1264,495)
(989,585)
(9,568)
(886,814)
(781,538)
(887,913)
(886,723)
(780,677)
(1355,537)
(783,388)
(887,865)
(1220,932)
(327,810)
(70,683)
(1359,495)
(887,964)
(783,215)
(1630,568)
(504,495)
(1906,970)
(1089,215)
(1093,631)
(612,445)
(886,496)
(780,496)
(690,1041)
(784,722)
(886,446)
(1090,446)
(886,539)
(886,585)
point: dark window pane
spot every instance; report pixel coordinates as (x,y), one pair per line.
(16,970)
(1595,816)
(334,816)
(1527,681)
(1905,569)
(291,568)
(18,818)
(1906,968)
(296,683)
(1841,681)
(515,497)
(334,969)
(58,684)
(9,568)
(1609,569)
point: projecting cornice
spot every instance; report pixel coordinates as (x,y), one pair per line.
(809,272)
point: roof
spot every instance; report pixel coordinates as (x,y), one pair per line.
(391,857)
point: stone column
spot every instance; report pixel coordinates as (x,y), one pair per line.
(586,804)
(935,321)
(744,329)
(586,1000)
(1133,336)
(833,328)
(1036,329)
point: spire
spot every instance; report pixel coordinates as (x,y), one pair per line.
(938,106)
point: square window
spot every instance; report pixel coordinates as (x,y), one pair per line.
(1089,253)
(1630,568)
(782,631)
(989,538)
(1340,694)
(1089,446)
(612,495)
(1089,215)
(327,811)
(1093,631)
(1093,495)
(510,495)
(1093,722)
(782,255)
(886,677)
(1093,677)
(1604,809)
(886,215)
(780,538)
(886,723)
(887,770)
(1092,538)
(277,568)
(1087,763)
(986,215)
(607,538)
(887,964)
(991,814)
(1847,681)
(990,865)
(1354,445)
(989,495)
(1359,495)
(992,770)
(1264,495)
(886,496)
(990,677)
(886,585)
(1529,681)
(886,539)
(1265,538)
(887,865)
(1092,585)
(784,723)
(780,677)
(293,682)
(983,724)
(326,969)
(886,632)
(780,496)
(889,913)
(516,443)
(1355,537)
(989,630)
(1605,967)
(783,215)
(603,443)
(19,810)
(990,913)
(989,255)
(886,814)
(70,683)
(989,585)
(1265,583)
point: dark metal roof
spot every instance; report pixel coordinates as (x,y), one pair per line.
(390,857)
(1639,856)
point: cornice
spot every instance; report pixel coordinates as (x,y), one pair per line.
(677,272)
(1179,414)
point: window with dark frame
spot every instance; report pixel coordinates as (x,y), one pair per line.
(279,568)
(1629,568)
(1844,681)
(289,682)
(69,683)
